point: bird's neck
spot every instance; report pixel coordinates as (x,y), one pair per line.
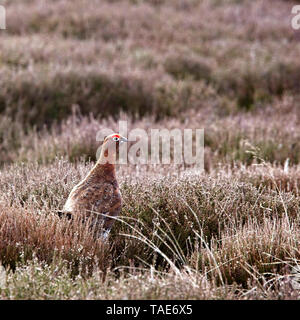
(105,166)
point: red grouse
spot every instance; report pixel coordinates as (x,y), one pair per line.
(97,196)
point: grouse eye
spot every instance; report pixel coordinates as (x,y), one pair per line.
(115,138)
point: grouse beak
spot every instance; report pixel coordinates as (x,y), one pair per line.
(123,140)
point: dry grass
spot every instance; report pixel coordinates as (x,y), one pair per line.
(231,231)
(231,67)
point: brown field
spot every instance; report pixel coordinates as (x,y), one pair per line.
(69,68)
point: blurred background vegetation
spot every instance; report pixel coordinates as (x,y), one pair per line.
(218,61)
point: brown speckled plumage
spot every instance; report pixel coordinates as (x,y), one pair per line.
(97,196)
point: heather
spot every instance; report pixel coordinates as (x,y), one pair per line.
(71,68)
(103,60)
(233,230)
